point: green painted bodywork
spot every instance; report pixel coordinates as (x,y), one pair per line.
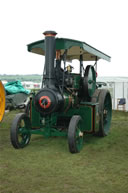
(74,49)
(47,125)
(77,79)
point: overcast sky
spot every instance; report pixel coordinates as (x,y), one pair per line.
(101,23)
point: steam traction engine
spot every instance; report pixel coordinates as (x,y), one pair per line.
(68,104)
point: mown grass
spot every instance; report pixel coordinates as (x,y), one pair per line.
(46,165)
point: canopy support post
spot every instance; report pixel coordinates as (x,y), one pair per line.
(81,64)
(95,65)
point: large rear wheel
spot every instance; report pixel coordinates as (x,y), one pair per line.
(105,112)
(20,131)
(75,135)
(103,97)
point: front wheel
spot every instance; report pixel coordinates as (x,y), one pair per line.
(20,131)
(75,135)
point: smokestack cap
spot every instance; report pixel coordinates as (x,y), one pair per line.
(50,33)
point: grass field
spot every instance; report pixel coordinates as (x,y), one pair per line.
(46,166)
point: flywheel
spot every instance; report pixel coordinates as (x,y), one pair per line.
(89,81)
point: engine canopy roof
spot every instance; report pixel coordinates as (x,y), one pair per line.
(74,49)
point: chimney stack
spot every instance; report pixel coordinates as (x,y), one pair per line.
(50,52)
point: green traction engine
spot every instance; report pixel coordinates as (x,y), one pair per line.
(69,103)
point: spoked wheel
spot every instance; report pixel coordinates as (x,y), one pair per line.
(20,131)
(75,135)
(105,112)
